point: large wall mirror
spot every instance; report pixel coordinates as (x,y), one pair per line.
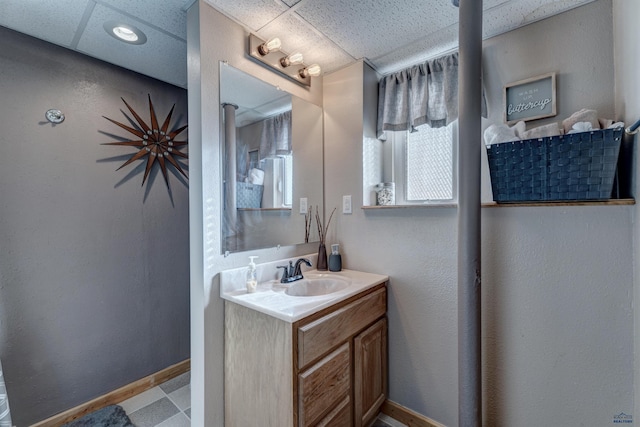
(272,159)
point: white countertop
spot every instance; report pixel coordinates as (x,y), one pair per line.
(270,297)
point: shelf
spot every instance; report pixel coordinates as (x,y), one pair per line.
(609,202)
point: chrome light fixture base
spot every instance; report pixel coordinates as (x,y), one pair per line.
(272,60)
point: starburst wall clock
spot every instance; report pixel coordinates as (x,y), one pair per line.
(154,142)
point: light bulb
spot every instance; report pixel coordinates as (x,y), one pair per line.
(294,58)
(269,46)
(312,70)
(125,34)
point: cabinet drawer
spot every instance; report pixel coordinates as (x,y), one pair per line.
(315,338)
(339,416)
(324,387)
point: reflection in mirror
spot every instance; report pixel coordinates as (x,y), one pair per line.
(272,158)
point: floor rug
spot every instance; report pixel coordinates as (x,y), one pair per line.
(110,416)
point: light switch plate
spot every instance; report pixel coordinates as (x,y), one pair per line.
(303,205)
(346,204)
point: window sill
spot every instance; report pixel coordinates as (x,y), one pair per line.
(609,202)
(265,209)
(419,206)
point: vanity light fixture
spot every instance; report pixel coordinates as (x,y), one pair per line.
(125,32)
(271,45)
(269,53)
(312,70)
(294,58)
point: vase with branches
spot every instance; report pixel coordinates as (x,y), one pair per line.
(321,265)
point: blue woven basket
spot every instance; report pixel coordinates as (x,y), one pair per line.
(248,196)
(578,166)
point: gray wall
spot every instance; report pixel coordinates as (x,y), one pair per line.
(557,281)
(627,60)
(94,268)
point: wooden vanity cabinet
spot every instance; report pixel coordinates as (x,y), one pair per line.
(370,372)
(355,328)
(328,369)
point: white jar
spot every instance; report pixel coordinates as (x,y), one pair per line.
(386,194)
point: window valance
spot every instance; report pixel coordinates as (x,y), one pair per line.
(276,136)
(426,93)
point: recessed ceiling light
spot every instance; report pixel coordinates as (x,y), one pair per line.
(125,32)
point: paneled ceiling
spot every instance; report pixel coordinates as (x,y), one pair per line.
(389,34)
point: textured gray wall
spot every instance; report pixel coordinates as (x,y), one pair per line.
(557,281)
(94,268)
(627,60)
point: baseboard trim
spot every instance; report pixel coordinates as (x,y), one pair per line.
(407,416)
(117,396)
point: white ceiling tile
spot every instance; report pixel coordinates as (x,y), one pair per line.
(488,4)
(370,28)
(517,13)
(166,14)
(391,34)
(162,56)
(45,19)
(298,36)
(434,45)
(254,14)
(539,9)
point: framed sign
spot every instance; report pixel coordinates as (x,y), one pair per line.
(530,99)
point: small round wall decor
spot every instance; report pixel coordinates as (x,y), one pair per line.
(153,141)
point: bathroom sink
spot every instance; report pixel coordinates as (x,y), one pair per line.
(318,284)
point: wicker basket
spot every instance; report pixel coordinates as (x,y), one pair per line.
(578,166)
(248,196)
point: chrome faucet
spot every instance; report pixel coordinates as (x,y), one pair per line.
(293,272)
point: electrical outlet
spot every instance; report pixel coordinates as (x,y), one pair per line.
(346,204)
(303,205)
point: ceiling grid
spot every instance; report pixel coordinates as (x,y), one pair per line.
(388,34)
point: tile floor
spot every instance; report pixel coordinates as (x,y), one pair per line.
(169,405)
(386,421)
(166,405)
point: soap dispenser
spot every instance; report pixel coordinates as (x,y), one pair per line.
(252,278)
(335,259)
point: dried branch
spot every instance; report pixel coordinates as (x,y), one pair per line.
(307,225)
(322,229)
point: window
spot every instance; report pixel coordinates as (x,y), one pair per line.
(422,164)
(278,181)
(288,180)
(428,165)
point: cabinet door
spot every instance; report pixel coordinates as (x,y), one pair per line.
(370,372)
(324,387)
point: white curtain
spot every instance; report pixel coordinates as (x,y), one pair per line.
(5,414)
(426,93)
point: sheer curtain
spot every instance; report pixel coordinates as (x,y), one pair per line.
(426,93)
